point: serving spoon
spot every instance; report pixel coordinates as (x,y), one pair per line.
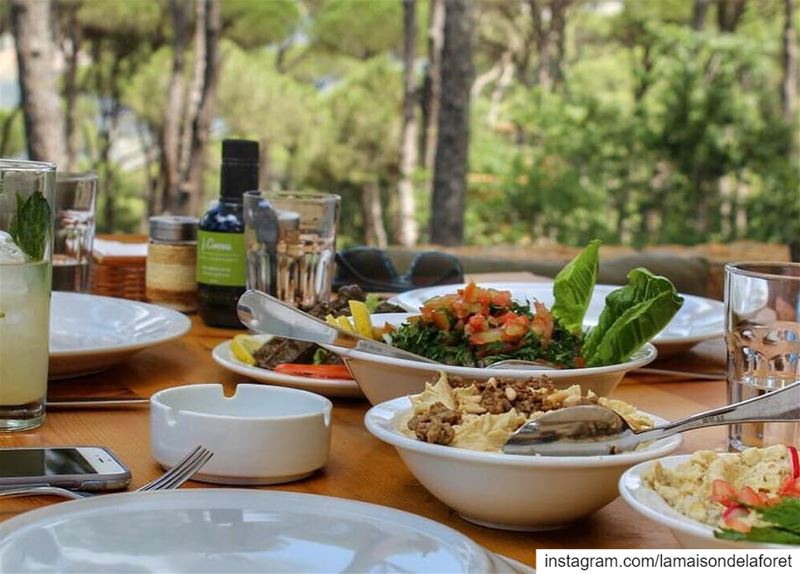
(591,430)
(266,314)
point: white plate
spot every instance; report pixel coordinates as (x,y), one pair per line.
(232,530)
(689,533)
(698,320)
(89,333)
(345,388)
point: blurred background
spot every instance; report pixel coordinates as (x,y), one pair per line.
(455,122)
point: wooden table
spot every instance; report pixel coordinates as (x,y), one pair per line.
(361,467)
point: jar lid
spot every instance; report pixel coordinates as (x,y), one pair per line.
(173,228)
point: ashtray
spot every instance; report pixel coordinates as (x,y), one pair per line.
(260,435)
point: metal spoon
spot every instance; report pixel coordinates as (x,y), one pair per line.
(266,314)
(591,430)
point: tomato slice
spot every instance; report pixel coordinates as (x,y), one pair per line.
(314,371)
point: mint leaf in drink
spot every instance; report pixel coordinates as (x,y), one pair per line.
(31,224)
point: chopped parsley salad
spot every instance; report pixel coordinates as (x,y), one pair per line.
(477,327)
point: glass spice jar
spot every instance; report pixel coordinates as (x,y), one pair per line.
(171,279)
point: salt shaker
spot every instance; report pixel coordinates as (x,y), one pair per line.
(171,279)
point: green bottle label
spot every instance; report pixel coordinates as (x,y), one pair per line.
(221,259)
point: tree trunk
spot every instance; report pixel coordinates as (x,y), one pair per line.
(729,13)
(374,231)
(452,145)
(558,27)
(197,120)
(790,73)
(503,83)
(71,50)
(202,128)
(406,227)
(544,76)
(699,11)
(171,131)
(41,108)
(433,83)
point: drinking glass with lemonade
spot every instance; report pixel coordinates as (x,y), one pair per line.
(26,236)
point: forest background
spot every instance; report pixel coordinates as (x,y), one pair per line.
(438,121)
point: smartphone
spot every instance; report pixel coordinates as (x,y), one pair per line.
(83,468)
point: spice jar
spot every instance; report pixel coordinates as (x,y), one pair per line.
(171,279)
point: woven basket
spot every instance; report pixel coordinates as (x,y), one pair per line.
(119,277)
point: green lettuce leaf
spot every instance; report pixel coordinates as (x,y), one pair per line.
(573,288)
(760,534)
(633,315)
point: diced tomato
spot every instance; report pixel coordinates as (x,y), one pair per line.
(790,487)
(470,292)
(485,337)
(314,371)
(723,492)
(543,323)
(733,518)
(750,497)
(794,460)
(441,320)
(499,298)
(478,323)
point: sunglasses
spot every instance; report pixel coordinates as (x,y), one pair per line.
(372,270)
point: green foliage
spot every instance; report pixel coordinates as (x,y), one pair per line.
(257,23)
(361,29)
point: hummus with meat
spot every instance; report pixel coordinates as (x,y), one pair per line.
(481,415)
(687,487)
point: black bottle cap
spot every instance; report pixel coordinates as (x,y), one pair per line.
(245,151)
(239,168)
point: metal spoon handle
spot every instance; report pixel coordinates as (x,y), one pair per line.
(779,405)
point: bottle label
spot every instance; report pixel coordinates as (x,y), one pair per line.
(221,259)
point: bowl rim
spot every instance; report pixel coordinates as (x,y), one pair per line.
(630,483)
(156,402)
(378,416)
(643,356)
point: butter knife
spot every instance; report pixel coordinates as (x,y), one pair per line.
(266,314)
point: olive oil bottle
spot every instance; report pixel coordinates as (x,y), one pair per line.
(221,253)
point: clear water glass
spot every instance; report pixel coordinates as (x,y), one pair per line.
(26,237)
(291,244)
(75,199)
(762,331)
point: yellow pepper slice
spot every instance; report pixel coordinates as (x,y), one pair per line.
(361,318)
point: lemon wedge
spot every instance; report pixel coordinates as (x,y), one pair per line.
(243,347)
(344,323)
(361,318)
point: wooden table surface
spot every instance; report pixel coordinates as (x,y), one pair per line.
(361,467)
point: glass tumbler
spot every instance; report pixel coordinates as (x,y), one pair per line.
(74,231)
(291,244)
(762,331)
(26,238)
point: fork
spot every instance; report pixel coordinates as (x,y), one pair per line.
(182,471)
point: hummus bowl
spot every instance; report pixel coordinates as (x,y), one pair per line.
(510,492)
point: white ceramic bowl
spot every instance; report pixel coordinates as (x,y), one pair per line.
(385,378)
(511,492)
(689,533)
(260,435)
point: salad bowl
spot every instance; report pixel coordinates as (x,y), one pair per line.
(688,532)
(384,378)
(510,492)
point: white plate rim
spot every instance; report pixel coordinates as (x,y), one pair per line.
(380,419)
(223,357)
(182,326)
(404,300)
(353,508)
(631,486)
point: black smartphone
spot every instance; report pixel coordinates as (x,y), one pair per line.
(83,468)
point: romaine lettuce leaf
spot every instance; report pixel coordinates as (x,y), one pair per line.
(633,315)
(573,287)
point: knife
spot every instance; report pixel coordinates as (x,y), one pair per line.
(266,314)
